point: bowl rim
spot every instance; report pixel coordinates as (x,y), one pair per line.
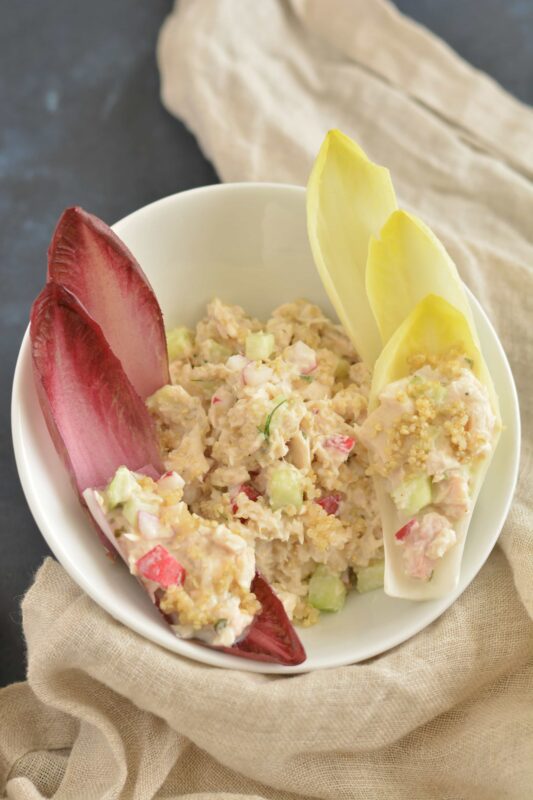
(193,650)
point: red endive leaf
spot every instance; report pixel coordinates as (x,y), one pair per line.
(95,417)
(89,260)
(272,636)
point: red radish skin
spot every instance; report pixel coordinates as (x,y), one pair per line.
(95,417)
(89,260)
(330,503)
(272,636)
(344,444)
(250,492)
(159,566)
(405,530)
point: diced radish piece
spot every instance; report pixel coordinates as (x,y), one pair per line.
(330,503)
(159,566)
(344,444)
(236,363)
(250,492)
(405,530)
(271,636)
(170,482)
(149,525)
(256,374)
(96,419)
(89,260)
(303,356)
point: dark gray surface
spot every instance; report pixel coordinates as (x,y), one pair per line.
(81,123)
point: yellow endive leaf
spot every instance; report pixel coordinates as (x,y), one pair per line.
(406,263)
(434,327)
(348,200)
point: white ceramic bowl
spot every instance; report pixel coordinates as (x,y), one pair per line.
(246,243)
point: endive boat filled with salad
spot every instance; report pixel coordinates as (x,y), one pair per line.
(251,473)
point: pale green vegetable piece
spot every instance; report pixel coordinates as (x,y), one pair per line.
(433,327)
(215,352)
(342,370)
(180,343)
(436,393)
(259,346)
(413,495)
(121,488)
(134,505)
(371,577)
(327,592)
(405,264)
(348,200)
(285,487)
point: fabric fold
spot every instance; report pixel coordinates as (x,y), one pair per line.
(405,54)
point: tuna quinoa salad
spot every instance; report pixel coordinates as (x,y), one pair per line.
(270,455)
(259,434)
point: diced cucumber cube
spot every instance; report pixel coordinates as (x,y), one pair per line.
(259,346)
(216,353)
(180,343)
(121,488)
(327,592)
(371,577)
(285,487)
(436,392)
(342,370)
(412,495)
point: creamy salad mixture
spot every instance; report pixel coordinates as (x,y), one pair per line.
(259,429)
(270,453)
(427,433)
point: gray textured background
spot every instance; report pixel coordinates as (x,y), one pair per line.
(81,123)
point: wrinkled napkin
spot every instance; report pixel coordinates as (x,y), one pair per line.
(448,714)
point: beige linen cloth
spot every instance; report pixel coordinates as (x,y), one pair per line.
(448,714)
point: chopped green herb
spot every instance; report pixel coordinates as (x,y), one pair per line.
(470,362)
(220,624)
(266,429)
(307,378)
